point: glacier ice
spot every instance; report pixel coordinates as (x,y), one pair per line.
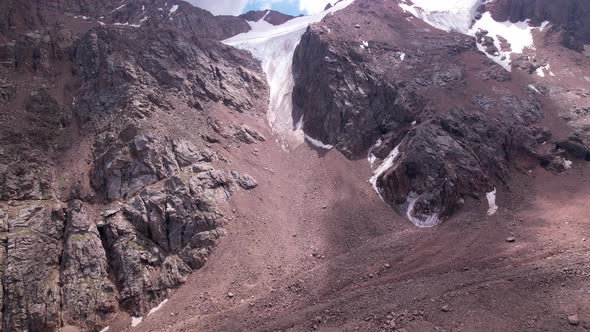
(275,46)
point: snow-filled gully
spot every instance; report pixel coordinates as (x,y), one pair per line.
(275,46)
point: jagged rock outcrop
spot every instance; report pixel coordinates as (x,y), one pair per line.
(31,280)
(200,71)
(111,191)
(88,296)
(24,164)
(388,83)
(160,14)
(570,15)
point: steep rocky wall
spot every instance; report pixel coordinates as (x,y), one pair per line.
(38,15)
(111,192)
(400,92)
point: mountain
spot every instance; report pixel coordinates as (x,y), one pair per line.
(271,16)
(382,165)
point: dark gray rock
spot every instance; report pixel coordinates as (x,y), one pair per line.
(245,181)
(439,152)
(32,294)
(88,297)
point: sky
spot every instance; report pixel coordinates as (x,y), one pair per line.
(237,7)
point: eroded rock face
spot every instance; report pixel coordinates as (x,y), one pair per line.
(112,174)
(31,279)
(569,15)
(130,82)
(88,295)
(401,92)
(161,14)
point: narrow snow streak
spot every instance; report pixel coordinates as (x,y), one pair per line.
(135,321)
(158,307)
(317,143)
(275,46)
(491,196)
(385,165)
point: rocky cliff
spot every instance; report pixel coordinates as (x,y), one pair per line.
(446,122)
(113,180)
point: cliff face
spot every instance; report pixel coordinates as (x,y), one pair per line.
(570,15)
(32,15)
(423,101)
(110,187)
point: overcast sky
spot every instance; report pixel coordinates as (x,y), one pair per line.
(236,7)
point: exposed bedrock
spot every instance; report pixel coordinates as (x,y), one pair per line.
(112,189)
(402,95)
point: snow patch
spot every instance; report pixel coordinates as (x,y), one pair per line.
(518,35)
(317,143)
(447,15)
(105,329)
(127,24)
(546,68)
(493,208)
(544,25)
(429,221)
(370,156)
(158,307)
(385,165)
(173,9)
(274,46)
(459,15)
(532,87)
(120,7)
(135,321)
(567,163)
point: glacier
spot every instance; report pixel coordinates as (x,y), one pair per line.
(275,46)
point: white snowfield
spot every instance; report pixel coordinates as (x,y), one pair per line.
(458,15)
(444,14)
(274,46)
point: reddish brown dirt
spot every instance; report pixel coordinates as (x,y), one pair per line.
(315,248)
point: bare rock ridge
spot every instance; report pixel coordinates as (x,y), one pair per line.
(147,13)
(111,190)
(408,95)
(271,16)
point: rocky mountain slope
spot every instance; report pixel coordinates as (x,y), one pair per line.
(132,140)
(112,190)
